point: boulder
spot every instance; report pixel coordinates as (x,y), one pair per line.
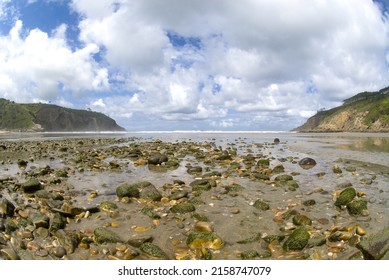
(297,240)
(376,247)
(345,197)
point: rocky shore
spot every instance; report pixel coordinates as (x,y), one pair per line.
(131,198)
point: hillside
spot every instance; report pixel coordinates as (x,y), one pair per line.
(49,118)
(364,112)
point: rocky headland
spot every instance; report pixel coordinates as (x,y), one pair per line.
(39,117)
(364,112)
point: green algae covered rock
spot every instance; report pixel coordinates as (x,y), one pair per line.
(185,207)
(297,240)
(104,235)
(345,197)
(357,207)
(204,240)
(153,250)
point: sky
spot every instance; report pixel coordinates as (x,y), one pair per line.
(252,65)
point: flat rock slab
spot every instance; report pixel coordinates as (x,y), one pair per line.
(376,247)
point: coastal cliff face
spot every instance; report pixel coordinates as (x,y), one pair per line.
(49,118)
(364,112)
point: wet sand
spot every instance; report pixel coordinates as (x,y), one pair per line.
(80,177)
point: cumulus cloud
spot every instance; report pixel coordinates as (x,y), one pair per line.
(226,64)
(38,66)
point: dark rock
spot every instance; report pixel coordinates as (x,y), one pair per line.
(40,220)
(344,185)
(375,247)
(234,188)
(307,163)
(271,238)
(309,202)
(195,169)
(57,222)
(297,240)
(202,185)
(276,141)
(153,250)
(317,240)
(278,169)
(345,197)
(31,185)
(6,208)
(157,159)
(42,194)
(58,252)
(357,207)
(104,235)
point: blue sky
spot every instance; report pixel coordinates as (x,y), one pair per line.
(194,65)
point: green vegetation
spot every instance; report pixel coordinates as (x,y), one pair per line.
(47,117)
(372,109)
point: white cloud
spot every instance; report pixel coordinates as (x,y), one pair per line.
(255,60)
(37,66)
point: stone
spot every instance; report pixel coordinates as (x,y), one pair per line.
(375,247)
(283,178)
(178,194)
(297,240)
(153,250)
(149,191)
(182,208)
(202,185)
(299,220)
(56,222)
(194,169)
(249,255)
(157,158)
(263,162)
(40,220)
(345,197)
(255,237)
(104,235)
(357,207)
(126,190)
(6,208)
(307,163)
(31,185)
(261,205)
(309,202)
(276,141)
(149,211)
(204,240)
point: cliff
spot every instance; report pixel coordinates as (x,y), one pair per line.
(49,118)
(364,112)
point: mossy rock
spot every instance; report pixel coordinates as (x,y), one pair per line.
(42,194)
(149,191)
(182,208)
(261,176)
(104,235)
(309,202)
(31,185)
(249,255)
(255,237)
(283,178)
(57,222)
(234,188)
(376,247)
(126,190)
(278,169)
(108,206)
(200,217)
(345,197)
(299,220)
(261,205)
(153,250)
(149,211)
(263,162)
(204,240)
(202,185)
(273,237)
(357,207)
(297,240)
